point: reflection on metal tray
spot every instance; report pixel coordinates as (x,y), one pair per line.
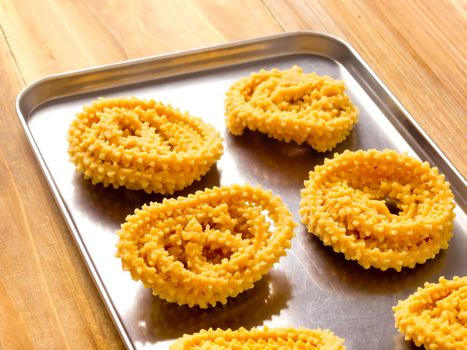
(311,286)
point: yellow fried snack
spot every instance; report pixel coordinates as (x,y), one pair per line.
(346,203)
(291,105)
(259,339)
(201,249)
(141,144)
(435,316)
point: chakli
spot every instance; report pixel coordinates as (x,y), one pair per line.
(291,105)
(380,208)
(141,144)
(259,339)
(201,249)
(435,316)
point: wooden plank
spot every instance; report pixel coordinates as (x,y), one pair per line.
(85,33)
(409,45)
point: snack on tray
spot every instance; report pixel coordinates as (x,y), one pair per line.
(291,105)
(141,145)
(346,203)
(259,339)
(201,249)
(435,316)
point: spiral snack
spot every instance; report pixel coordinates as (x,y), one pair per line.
(259,339)
(291,105)
(435,316)
(345,203)
(201,249)
(141,144)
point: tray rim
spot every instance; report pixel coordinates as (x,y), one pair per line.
(23,116)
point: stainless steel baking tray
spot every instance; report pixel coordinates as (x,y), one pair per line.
(311,286)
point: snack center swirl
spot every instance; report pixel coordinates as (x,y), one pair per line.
(201,249)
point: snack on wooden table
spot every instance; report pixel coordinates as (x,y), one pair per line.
(141,144)
(345,203)
(291,105)
(259,339)
(201,249)
(435,316)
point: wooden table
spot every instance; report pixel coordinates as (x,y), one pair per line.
(47,297)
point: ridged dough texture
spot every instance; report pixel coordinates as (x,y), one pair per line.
(344,203)
(435,316)
(291,105)
(259,339)
(204,248)
(141,145)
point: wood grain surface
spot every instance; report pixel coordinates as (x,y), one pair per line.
(47,298)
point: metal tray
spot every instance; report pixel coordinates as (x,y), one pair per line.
(311,286)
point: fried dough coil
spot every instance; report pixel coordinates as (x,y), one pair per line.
(201,249)
(345,201)
(259,339)
(141,145)
(435,316)
(291,105)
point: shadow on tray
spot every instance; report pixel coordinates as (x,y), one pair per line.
(113,205)
(350,276)
(164,321)
(276,163)
(401,344)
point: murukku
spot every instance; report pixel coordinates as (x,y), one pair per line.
(204,248)
(259,339)
(141,145)
(380,208)
(291,105)
(435,316)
